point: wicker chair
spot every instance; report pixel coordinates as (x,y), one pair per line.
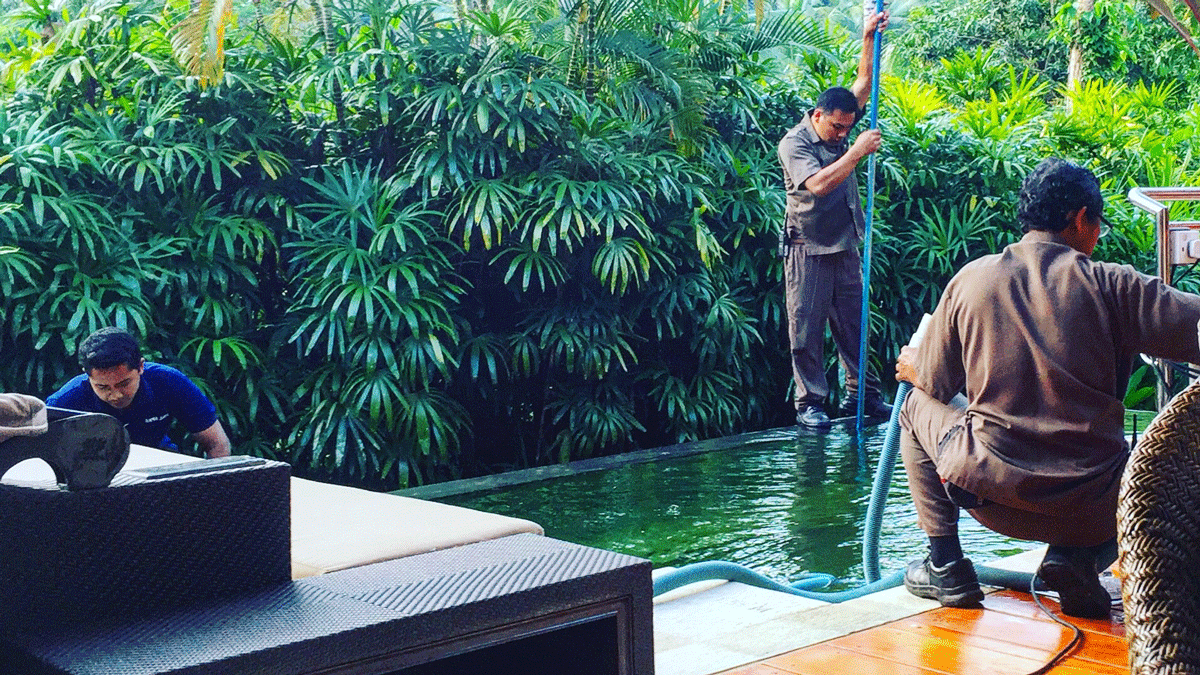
(1158,532)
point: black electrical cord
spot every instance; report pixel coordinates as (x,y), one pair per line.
(1180,367)
(1184,368)
(1070,645)
(1178,276)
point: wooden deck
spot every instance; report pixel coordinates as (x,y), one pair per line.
(1009,636)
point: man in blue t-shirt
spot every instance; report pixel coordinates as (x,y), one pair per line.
(145,397)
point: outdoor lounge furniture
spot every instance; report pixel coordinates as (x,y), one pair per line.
(335,527)
(1158,532)
(519,604)
(82,450)
(186,570)
(140,545)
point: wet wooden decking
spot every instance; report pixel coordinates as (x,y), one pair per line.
(1009,636)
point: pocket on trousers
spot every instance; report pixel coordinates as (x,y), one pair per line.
(963,499)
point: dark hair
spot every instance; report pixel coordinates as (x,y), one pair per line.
(1054,189)
(108,348)
(837,98)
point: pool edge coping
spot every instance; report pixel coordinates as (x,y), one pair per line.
(532,475)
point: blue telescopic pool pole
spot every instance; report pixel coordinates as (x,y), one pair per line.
(864,324)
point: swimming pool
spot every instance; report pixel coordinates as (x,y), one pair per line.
(781,502)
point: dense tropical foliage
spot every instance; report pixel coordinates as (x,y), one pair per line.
(404,242)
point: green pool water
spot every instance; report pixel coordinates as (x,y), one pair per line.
(781,503)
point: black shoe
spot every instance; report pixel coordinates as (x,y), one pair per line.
(813,417)
(1073,575)
(954,585)
(873,408)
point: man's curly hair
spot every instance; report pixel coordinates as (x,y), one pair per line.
(1054,189)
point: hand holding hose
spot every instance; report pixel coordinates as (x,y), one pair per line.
(906,371)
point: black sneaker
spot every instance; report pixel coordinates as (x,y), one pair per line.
(1073,576)
(954,585)
(874,408)
(813,417)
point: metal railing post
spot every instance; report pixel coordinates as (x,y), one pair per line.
(1175,244)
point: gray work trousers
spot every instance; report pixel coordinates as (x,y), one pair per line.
(820,288)
(927,423)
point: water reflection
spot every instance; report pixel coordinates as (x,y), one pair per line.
(783,504)
(810,459)
(857,450)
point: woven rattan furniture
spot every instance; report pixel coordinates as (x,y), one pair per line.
(84,450)
(520,604)
(141,545)
(335,527)
(1158,532)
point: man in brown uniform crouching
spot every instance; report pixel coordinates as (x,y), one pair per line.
(1042,340)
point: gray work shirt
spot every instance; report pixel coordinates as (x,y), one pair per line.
(827,224)
(1043,339)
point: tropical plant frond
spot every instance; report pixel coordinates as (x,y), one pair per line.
(534,269)
(233,350)
(789,29)
(620,262)
(1164,8)
(199,40)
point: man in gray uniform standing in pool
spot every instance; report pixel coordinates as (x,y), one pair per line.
(822,269)
(1042,339)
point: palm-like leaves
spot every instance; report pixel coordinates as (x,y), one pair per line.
(1167,11)
(199,39)
(374,301)
(392,249)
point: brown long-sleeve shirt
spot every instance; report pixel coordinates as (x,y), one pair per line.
(1043,339)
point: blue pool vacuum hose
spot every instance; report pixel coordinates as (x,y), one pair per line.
(806,586)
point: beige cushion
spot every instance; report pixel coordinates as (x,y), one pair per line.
(335,527)
(21,415)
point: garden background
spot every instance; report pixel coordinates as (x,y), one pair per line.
(404,242)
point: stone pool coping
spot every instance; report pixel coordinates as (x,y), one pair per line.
(717,626)
(510,478)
